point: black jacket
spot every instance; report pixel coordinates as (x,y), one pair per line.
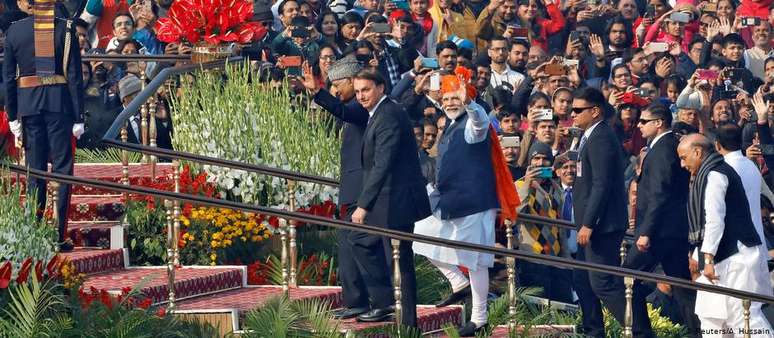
(393,186)
(20,53)
(662,192)
(355,118)
(598,193)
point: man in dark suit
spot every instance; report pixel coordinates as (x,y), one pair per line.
(661,214)
(44,96)
(599,200)
(394,194)
(345,108)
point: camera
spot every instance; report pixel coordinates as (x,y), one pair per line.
(544,115)
(582,36)
(299,33)
(747,22)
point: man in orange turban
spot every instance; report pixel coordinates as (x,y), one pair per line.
(466,197)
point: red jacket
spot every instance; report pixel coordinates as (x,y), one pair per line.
(552,25)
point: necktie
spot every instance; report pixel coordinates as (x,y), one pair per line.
(582,143)
(572,245)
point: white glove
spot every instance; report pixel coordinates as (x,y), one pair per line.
(78,130)
(16,128)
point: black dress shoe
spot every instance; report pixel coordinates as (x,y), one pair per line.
(376,315)
(347,313)
(470,329)
(455,297)
(66,246)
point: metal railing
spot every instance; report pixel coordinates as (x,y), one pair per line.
(130,57)
(628,274)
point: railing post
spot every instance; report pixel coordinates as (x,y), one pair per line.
(176,212)
(153,103)
(627,329)
(396,282)
(622,251)
(292,232)
(54,186)
(511,264)
(49,203)
(746,313)
(171,245)
(284,254)
(143,118)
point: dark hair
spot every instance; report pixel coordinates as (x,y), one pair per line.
(445,45)
(522,42)
(676,80)
(729,136)
(81,23)
(683,128)
(630,53)
(370,76)
(619,66)
(122,44)
(466,53)
(628,31)
(733,39)
(592,96)
(768,59)
(120,14)
(500,38)
(697,39)
(351,17)
(537,96)
(281,8)
(501,97)
(660,111)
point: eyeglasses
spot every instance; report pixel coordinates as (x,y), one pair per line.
(645,121)
(328,57)
(580,110)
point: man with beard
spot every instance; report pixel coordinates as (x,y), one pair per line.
(511,144)
(517,58)
(493,21)
(464,200)
(345,108)
(756,56)
(637,62)
(619,37)
(501,71)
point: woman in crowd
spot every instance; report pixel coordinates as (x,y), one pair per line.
(328,26)
(351,25)
(539,27)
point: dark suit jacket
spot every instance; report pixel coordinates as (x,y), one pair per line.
(662,192)
(20,52)
(598,193)
(393,187)
(355,118)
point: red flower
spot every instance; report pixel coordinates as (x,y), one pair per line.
(145,303)
(52,268)
(104,297)
(214,20)
(24,271)
(161,312)
(39,270)
(5,274)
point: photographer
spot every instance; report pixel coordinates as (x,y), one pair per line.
(541,194)
(296,43)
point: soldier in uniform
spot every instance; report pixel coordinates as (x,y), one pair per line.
(44,96)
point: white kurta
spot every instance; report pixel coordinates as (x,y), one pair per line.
(745,270)
(477,228)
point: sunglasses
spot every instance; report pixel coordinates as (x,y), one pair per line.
(580,110)
(645,121)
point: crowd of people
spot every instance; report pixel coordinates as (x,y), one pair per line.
(652,117)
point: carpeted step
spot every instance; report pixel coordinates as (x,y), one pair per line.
(429,319)
(253,296)
(91,261)
(90,234)
(139,174)
(101,208)
(189,281)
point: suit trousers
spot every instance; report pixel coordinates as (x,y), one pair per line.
(48,137)
(373,267)
(604,249)
(592,321)
(353,288)
(672,254)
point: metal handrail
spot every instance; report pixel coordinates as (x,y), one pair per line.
(153,86)
(395,234)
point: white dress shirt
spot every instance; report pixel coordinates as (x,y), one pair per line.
(477,126)
(510,76)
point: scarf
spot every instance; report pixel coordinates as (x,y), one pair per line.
(426,21)
(696,198)
(43,15)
